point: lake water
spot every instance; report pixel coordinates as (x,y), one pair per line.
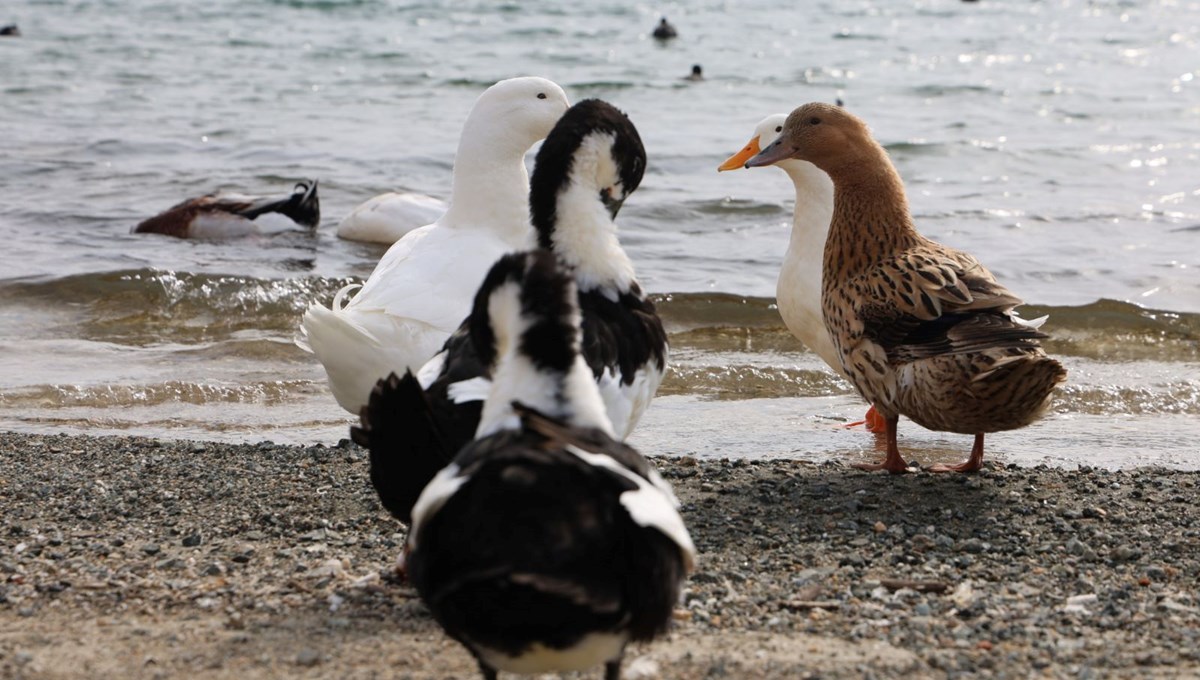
(1058,141)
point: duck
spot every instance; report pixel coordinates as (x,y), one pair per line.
(696,75)
(546,544)
(224,215)
(664,30)
(422,287)
(386,218)
(922,330)
(589,164)
(10,30)
(798,289)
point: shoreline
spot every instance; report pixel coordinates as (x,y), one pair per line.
(131,557)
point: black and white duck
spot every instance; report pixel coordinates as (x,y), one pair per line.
(546,544)
(224,215)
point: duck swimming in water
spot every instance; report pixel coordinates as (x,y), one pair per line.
(228,215)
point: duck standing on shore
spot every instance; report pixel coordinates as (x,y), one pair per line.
(423,286)
(922,329)
(228,215)
(547,544)
(798,290)
(590,163)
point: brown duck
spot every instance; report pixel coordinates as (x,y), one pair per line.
(922,330)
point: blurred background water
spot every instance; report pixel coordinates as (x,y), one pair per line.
(1056,140)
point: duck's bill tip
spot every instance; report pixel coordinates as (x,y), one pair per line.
(738,160)
(769,156)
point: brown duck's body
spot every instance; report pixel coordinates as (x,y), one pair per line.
(923,330)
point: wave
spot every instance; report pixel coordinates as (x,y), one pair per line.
(149,305)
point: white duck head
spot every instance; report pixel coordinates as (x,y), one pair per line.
(489,169)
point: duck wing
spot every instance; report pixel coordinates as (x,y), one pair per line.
(932,300)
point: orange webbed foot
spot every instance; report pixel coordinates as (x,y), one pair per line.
(873,421)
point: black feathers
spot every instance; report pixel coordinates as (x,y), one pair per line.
(405,442)
(535,546)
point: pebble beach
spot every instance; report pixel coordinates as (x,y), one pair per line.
(127,557)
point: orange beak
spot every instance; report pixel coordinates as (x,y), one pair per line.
(739,159)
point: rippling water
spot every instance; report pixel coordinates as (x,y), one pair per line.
(1056,140)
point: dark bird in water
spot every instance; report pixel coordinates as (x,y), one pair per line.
(664,30)
(697,73)
(546,544)
(10,30)
(227,215)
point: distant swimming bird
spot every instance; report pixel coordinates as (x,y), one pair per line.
(664,30)
(588,165)
(388,217)
(10,30)
(422,287)
(696,75)
(798,290)
(922,329)
(546,545)
(228,215)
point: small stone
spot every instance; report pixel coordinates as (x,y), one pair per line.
(192,540)
(971,545)
(880,527)
(151,549)
(1124,553)
(308,658)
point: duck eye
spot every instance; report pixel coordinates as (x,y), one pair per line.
(814,120)
(779,128)
(541,95)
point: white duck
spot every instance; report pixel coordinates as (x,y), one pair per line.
(798,290)
(386,218)
(423,286)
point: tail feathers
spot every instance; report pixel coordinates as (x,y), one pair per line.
(302,206)
(406,448)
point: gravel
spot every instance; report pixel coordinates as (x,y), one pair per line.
(129,557)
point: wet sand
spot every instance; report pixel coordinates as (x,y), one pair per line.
(126,557)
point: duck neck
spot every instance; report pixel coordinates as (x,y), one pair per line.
(490,185)
(814,207)
(871,221)
(584,238)
(570,397)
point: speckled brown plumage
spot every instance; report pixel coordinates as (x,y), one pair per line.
(923,330)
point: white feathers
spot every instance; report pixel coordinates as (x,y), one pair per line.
(423,286)
(435,494)
(475,389)
(592,649)
(585,236)
(650,505)
(798,290)
(388,217)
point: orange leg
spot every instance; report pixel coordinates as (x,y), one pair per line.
(873,421)
(893,463)
(973,464)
